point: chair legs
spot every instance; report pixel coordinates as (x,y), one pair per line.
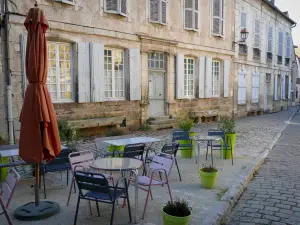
(76,213)
(70,191)
(98,208)
(176,163)
(112,214)
(5,212)
(128,203)
(145,206)
(231,156)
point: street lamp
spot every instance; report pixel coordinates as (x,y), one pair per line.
(244,35)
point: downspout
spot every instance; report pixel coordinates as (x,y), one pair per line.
(7,71)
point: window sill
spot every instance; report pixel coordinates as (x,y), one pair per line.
(217,35)
(66,2)
(114,99)
(62,101)
(242,104)
(116,13)
(157,23)
(191,29)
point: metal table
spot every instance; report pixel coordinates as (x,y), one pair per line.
(122,165)
(209,139)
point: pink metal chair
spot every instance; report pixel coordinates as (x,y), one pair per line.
(7,192)
(159,171)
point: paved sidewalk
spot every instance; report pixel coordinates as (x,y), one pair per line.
(273,197)
(253,135)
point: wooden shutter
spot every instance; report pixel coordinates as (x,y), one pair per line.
(270,39)
(288,47)
(196,15)
(201,69)
(97,72)
(111,5)
(135,76)
(290,83)
(179,76)
(257,34)
(123,7)
(275,87)
(283,86)
(242,88)
(243,20)
(218,18)
(226,77)
(208,78)
(255,87)
(23,61)
(188,14)
(84,79)
(280,43)
(154,10)
(164,12)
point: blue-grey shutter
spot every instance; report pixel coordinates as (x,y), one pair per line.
(179,76)
(84,78)
(288,47)
(280,43)
(243,20)
(154,10)
(123,7)
(275,87)
(201,70)
(242,87)
(23,61)
(97,72)
(290,82)
(283,86)
(226,77)
(196,14)
(270,39)
(135,76)
(256,34)
(208,78)
(164,12)
(217,14)
(189,14)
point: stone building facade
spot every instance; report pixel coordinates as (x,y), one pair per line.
(133,59)
(263,63)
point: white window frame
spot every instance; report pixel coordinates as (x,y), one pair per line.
(58,94)
(194,20)
(118,11)
(215,95)
(159,60)
(114,77)
(221,17)
(255,87)
(186,89)
(70,2)
(160,2)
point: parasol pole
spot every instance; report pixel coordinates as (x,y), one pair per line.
(37,184)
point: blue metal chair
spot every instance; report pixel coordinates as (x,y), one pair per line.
(226,145)
(95,187)
(179,135)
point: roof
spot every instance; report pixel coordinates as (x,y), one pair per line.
(284,14)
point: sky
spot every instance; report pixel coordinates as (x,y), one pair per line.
(293,7)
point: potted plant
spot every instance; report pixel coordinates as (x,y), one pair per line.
(227,125)
(176,213)
(208,175)
(186,124)
(67,134)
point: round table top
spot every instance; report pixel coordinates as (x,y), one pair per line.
(116,164)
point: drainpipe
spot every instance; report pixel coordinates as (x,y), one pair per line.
(7,71)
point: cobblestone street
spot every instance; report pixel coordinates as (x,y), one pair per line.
(273,197)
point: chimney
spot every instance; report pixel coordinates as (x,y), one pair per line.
(272,2)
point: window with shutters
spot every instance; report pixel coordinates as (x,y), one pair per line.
(257,37)
(216,76)
(255,87)
(279,82)
(60,77)
(158,11)
(288,50)
(256,53)
(243,49)
(114,73)
(189,77)
(116,7)
(242,88)
(191,15)
(218,17)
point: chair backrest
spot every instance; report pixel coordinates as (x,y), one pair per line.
(170,148)
(181,135)
(219,133)
(161,162)
(82,159)
(62,158)
(134,150)
(9,185)
(88,181)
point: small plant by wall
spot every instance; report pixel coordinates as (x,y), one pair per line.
(114,132)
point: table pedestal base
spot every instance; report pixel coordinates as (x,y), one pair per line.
(30,211)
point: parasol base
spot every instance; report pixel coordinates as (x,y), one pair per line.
(30,211)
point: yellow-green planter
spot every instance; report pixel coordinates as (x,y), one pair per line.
(174,220)
(231,138)
(187,152)
(114,148)
(3,171)
(208,180)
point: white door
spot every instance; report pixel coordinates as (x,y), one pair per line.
(156,94)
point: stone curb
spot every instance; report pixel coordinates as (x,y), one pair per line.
(231,196)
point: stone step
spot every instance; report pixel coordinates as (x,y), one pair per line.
(162,126)
(162,121)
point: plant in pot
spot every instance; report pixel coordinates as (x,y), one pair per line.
(208,175)
(67,134)
(176,212)
(227,125)
(186,124)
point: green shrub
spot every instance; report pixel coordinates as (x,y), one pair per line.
(66,132)
(227,125)
(3,141)
(209,169)
(145,126)
(186,124)
(178,208)
(114,132)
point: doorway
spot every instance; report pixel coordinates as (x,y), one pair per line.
(267,89)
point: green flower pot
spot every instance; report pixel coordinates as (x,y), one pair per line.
(113,148)
(3,171)
(227,153)
(174,220)
(208,180)
(187,153)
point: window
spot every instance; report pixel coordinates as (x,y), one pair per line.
(116,7)
(286,94)
(218,17)
(269,57)
(189,72)
(158,11)
(256,53)
(242,87)
(255,87)
(279,81)
(279,60)
(270,39)
(71,2)
(114,73)
(287,61)
(257,37)
(59,80)
(156,60)
(216,74)
(191,15)
(243,49)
